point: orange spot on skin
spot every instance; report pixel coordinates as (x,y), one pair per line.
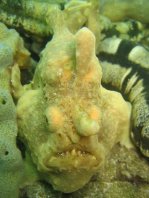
(91,74)
(88,77)
(94,113)
(56,116)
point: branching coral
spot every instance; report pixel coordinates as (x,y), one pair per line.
(62,117)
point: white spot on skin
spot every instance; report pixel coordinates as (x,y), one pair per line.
(60,71)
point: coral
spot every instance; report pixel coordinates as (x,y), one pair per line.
(124,174)
(12,52)
(137,9)
(67,119)
(12,48)
(11,164)
(34,16)
(40,190)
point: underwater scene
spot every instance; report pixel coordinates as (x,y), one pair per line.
(74,99)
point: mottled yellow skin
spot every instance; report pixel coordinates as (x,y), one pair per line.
(67,119)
